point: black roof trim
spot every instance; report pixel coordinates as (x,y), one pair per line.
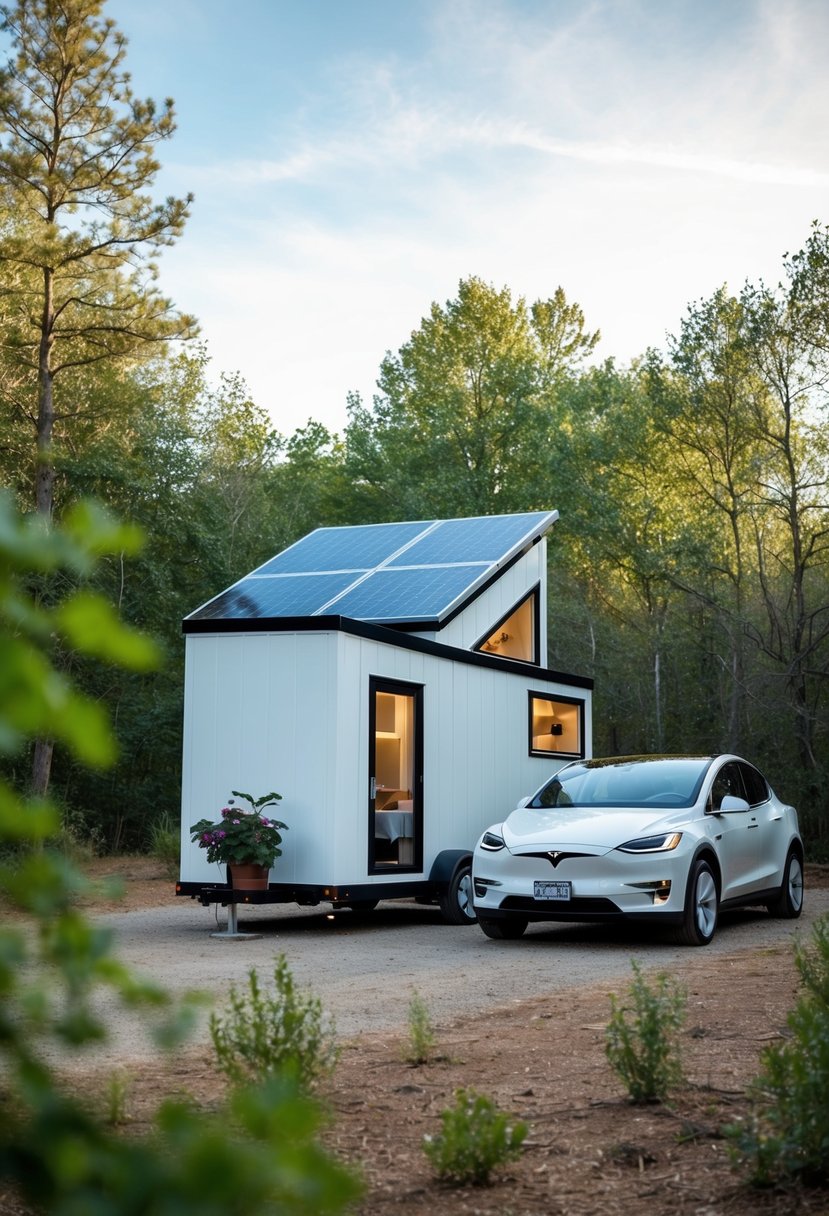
(382,633)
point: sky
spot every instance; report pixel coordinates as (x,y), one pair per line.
(353,160)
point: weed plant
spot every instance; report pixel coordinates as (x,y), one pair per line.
(275,1032)
(117,1099)
(642,1037)
(421,1032)
(165,842)
(787,1134)
(476,1138)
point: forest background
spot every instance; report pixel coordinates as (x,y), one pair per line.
(689,571)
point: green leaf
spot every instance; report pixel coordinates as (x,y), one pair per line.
(93,627)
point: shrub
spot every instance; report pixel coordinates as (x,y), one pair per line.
(270,1033)
(787,1134)
(165,843)
(262,1155)
(421,1031)
(476,1138)
(642,1037)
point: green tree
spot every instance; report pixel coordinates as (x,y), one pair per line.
(702,403)
(791,516)
(463,411)
(76,162)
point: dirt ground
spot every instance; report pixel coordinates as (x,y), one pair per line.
(589,1150)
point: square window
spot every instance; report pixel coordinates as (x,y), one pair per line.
(556,726)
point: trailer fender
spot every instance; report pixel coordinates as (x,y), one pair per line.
(451,876)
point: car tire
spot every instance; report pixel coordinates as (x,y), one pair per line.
(789,903)
(702,899)
(456,900)
(503,930)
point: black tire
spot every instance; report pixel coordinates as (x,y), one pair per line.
(789,903)
(701,906)
(503,929)
(456,905)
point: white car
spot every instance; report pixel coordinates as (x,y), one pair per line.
(667,839)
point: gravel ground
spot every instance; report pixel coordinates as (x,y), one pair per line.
(365,969)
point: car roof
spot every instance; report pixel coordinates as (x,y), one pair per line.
(607,761)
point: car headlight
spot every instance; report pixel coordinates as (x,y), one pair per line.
(663,843)
(492,842)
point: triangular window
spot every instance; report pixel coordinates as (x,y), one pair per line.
(516,635)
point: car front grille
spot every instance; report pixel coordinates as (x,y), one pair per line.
(555,856)
(571,909)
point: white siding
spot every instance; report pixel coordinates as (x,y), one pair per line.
(258,716)
(289,711)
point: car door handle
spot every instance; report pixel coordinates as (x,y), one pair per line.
(753,825)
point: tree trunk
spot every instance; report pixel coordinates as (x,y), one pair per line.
(42,766)
(44,485)
(45,479)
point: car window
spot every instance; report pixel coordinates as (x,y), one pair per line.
(756,789)
(727,781)
(657,783)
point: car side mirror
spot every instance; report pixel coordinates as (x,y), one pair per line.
(731,803)
(524,802)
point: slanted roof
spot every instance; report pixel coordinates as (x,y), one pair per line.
(414,575)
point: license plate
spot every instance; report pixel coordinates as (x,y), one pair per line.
(551,890)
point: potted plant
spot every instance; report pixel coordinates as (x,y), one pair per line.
(245,839)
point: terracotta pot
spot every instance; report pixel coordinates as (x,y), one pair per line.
(248,876)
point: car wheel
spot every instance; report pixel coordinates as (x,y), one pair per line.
(701,906)
(503,930)
(456,901)
(789,903)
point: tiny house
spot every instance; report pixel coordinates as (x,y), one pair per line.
(390,681)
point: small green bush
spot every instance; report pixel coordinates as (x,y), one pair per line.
(476,1138)
(271,1033)
(421,1032)
(116,1099)
(787,1134)
(642,1037)
(165,842)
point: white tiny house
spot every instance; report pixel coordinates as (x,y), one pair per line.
(390,682)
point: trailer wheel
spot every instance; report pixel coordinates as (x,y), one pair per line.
(456,899)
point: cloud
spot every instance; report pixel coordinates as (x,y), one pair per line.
(638,155)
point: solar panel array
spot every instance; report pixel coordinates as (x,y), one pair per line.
(401,573)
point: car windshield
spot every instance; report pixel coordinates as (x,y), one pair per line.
(664,782)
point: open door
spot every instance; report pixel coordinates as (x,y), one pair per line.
(395,776)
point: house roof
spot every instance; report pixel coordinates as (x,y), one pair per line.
(413,575)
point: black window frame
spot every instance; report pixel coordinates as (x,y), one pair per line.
(535,595)
(416,691)
(560,699)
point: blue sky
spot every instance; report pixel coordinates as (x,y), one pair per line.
(352,160)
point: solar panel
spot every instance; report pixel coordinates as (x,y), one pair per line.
(357,548)
(413,572)
(391,594)
(484,539)
(293,595)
